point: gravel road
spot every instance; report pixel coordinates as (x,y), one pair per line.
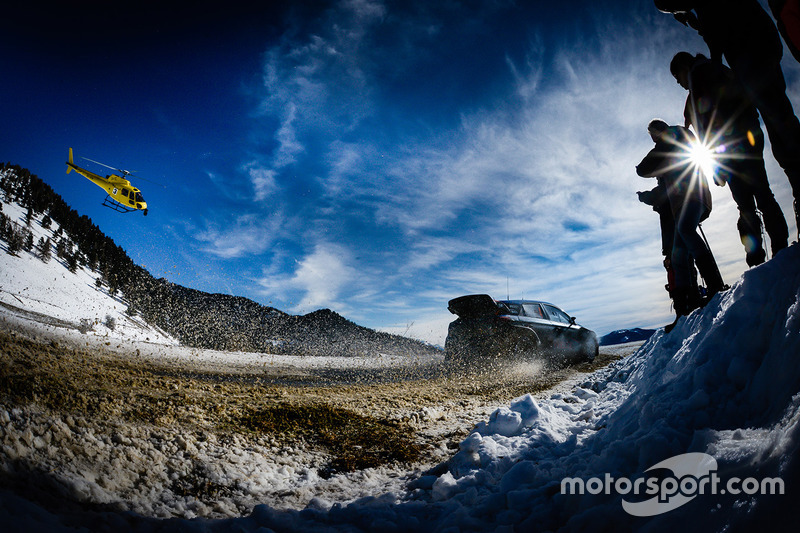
(122,426)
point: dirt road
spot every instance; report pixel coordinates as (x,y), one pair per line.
(336,420)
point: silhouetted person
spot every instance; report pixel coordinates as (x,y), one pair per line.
(658,200)
(690,201)
(787,16)
(727,121)
(745,34)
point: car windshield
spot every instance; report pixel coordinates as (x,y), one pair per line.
(557,315)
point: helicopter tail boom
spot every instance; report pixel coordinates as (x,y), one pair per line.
(70,164)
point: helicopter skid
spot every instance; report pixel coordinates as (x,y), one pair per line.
(116,206)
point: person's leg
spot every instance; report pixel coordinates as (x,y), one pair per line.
(681,265)
(749,225)
(765,84)
(758,182)
(686,229)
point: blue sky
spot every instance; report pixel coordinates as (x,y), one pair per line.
(373,157)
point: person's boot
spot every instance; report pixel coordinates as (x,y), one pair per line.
(682,302)
(756,257)
(708,269)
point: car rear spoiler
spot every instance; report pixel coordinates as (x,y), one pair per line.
(473,306)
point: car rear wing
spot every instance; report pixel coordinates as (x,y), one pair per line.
(473,306)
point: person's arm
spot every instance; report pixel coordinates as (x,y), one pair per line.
(652,165)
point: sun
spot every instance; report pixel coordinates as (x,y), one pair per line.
(703,158)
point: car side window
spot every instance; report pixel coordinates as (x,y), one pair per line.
(533,310)
(513,309)
(556,315)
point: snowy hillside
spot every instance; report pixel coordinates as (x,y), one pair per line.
(46,292)
(699,430)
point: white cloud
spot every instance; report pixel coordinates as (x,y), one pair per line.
(365,10)
(289,147)
(528,79)
(318,280)
(322,275)
(263,180)
(320,79)
(249,235)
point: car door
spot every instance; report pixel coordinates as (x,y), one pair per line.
(535,318)
(564,331)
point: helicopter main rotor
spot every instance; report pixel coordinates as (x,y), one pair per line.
(124,172)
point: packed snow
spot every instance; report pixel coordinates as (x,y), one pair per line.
(716,399)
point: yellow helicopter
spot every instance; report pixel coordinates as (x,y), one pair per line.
(122,196)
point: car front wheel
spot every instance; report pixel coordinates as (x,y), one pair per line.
(592,350)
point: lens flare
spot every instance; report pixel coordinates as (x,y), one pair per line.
(703,158)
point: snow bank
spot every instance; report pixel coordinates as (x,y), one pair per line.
(723,383)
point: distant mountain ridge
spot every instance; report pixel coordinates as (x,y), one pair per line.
(225,322)
(196,318)
(626,335)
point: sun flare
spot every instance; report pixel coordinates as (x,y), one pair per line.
(703,158)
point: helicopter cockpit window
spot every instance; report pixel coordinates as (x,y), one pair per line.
(139,197)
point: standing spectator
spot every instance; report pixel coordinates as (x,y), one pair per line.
(690,201)
(787,13)
(723,116)
(658,200)
(742,32)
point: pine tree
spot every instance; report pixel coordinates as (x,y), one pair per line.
(72,262)
(14,241)
(43,249)
(5,222)
(61,248)
(28,241)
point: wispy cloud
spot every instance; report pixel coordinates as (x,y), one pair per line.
(248,235)
(263,180)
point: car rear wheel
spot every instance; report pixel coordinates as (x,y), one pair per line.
(524,344)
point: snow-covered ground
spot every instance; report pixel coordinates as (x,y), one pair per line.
(692,431)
